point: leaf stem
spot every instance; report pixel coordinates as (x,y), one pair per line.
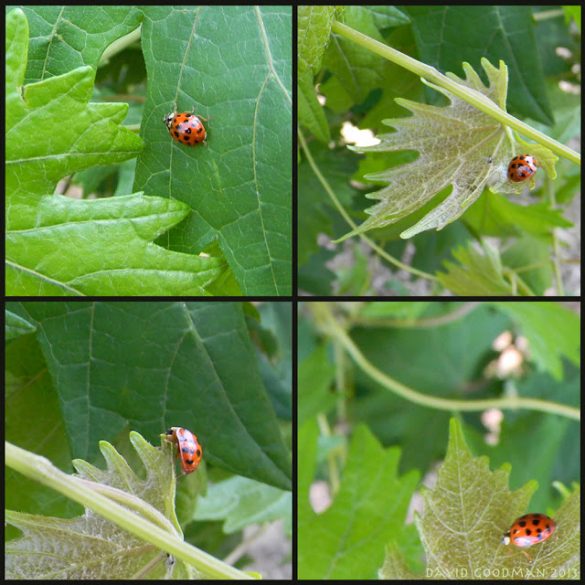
(329,324)
(471,96)
(86,493)
(348,219)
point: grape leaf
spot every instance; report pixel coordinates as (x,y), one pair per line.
(346,541)
(56,245)
(15,325)
(85,547)
(159,365)
(314,30)
(460,148)
(232,65)
(239,502)
(479,273)
(471,507)
(59,246)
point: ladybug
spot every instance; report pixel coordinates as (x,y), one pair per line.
(189,449)
(529,529)
(186,128)
(521,167)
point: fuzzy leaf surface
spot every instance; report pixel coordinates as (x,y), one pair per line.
(461,151)
(89,546)
(471,507)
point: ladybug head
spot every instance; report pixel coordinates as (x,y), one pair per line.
(168,119)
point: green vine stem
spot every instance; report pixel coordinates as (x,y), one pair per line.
(329,325)
(471,96)
(345,215)
(91,495)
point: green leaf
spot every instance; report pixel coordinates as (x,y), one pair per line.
(276,363)
(233,66)
(156,365)
(460,147)
(76,538)
(316,374)
(553,332)
(388,16)
(314,206)
(314,30)
(240,502)
(510,33)
(495,215)
(310,111)
(470,508)
(534,252)
(478,273)
(357,70)
(64,37)
(15,326)
(347,540)
(62,247)
(407,310)
(92,135)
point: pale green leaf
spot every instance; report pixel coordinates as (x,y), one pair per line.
(83,547)
(461,149)
(314,29)
(479,272)
(471,507)
(63,247)
(240,502)
(15,325)
(92,135)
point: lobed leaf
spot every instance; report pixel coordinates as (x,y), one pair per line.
(461,151)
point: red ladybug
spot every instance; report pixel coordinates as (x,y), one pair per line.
(186,128)
(528,530)
(189,449)
(521,168)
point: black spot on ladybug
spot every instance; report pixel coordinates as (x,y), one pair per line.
(177,135)
(189,461)
(188,131)
(199,130)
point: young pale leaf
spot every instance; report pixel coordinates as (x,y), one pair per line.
(460,148)
(91,547)
(479,272)
(470,508)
